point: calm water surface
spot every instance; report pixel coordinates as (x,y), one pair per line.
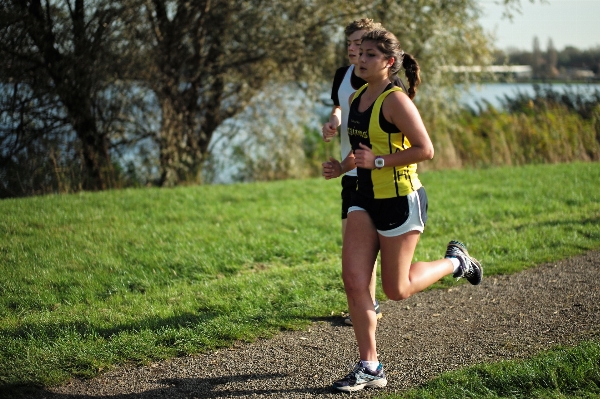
(494,92)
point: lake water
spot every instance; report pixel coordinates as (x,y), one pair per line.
(493,92)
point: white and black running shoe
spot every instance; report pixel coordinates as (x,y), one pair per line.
(360,378)
(470,268)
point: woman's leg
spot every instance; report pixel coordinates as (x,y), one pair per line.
(399,276)
(359,253)
(373,282)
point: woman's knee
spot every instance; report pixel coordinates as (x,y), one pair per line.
(397,293)
(354,283)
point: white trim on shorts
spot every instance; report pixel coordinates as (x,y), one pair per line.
(413,223)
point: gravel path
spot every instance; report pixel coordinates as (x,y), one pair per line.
(505,317)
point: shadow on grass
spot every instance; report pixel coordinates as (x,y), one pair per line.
(207,388)
(53,330)
(593,221)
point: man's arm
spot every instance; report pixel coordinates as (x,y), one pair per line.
(329,129)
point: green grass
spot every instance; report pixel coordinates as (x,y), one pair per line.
(559,373)
(94,280)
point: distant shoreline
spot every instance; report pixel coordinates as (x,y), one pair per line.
(544,81)
(493,91)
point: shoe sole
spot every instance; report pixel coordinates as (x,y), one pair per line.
(479,276)
(372,384)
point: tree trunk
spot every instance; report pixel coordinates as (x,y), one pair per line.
(180,156)
(96,159)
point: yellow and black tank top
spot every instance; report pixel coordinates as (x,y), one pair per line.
(371,129)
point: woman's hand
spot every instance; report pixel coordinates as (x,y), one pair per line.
(329,128)
(332,169)
(364,157)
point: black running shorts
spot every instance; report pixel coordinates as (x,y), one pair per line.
(394,216)
(348,191)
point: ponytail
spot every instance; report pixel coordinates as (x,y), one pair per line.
(412,73)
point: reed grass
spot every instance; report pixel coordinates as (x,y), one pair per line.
(548,128)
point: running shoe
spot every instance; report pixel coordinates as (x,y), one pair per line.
(348,320)
(470,268)
(361,377)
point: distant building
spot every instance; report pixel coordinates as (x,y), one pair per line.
(513,71)
(577,73)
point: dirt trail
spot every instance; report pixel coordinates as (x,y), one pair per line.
(505,317)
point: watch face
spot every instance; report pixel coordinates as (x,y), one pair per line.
(379,162)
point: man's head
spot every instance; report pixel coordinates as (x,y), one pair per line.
(354,32)
(365,24)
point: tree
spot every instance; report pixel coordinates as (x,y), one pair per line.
(572,57)
(207,60)
(568,58)
(58,69)
(537,61)
(552,60)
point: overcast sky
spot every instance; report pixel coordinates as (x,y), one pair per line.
(566,22)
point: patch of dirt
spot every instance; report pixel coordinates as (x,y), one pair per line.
(506,317)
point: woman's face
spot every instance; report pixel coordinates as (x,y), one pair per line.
(353,43)
(372,63)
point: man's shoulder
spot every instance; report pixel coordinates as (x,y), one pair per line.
(340,74)
(341,71)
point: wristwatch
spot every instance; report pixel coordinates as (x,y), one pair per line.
(379,162)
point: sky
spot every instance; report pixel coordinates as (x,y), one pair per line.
(567,22)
